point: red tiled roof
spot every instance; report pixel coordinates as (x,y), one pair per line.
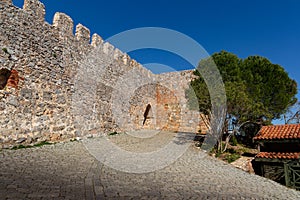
(289,131)
(278,155)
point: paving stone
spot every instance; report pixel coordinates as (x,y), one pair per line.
(69,171)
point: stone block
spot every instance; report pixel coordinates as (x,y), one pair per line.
(108,48)
(36,8)
(47,96)
(82,34)
(96,40)
(26,93)
(12,100)
(8,2)
(63,23)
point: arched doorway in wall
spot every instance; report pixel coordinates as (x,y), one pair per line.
(4,76)
(147,113)
(154,107)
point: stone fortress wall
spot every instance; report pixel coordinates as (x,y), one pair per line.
(56,85)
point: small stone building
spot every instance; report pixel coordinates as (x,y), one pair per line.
(279,154)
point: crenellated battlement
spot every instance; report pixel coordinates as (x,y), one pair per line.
(52,60)
(82,34)
(65,27)
(108,49)
(36,8)
(63,23)
(96,40)
(8,2)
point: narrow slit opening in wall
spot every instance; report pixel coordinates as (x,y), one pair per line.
(4,76)
(146,113)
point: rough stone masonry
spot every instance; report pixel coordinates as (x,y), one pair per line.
(56,85)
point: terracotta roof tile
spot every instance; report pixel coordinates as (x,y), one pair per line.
(278,155)
(289,131)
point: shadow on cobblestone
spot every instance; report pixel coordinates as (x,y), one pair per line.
(68,171)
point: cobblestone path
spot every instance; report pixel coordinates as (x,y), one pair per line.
(68,171)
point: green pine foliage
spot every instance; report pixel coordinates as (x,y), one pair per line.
(255,88)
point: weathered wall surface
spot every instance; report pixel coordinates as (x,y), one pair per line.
(55,85)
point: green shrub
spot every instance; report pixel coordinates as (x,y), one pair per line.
(231,151)
(234,141)
(5,50)
(218,154)
(232,157)
(31,146)
(20,147)
(42,144)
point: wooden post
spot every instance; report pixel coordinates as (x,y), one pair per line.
(262,169)
(286,174)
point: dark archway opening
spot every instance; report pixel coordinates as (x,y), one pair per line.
(146,113)
(4,76)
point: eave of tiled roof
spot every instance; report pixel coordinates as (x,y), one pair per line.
(279,155)
(279,132)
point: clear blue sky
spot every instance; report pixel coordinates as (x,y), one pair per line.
(258,27)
